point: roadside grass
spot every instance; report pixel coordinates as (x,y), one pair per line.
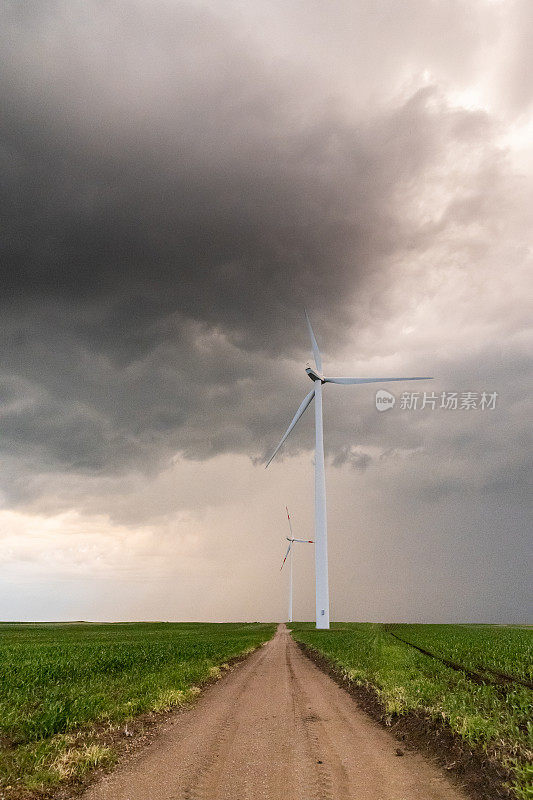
(487,717)
(62,685)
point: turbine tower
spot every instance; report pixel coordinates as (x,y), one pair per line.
(321,531)
(291,541)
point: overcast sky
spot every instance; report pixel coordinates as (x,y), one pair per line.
(179,179)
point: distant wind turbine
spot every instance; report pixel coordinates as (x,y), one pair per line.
(321,531)
(291,541)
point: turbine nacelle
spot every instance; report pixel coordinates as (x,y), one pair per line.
(314,374)
(304,541)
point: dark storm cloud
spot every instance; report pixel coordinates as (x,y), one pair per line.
(173,197)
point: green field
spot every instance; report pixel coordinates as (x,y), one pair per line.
(61,685)
(491,650)
(493,716)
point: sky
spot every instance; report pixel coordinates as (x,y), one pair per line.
(181,179)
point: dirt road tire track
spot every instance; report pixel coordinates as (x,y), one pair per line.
(275,728)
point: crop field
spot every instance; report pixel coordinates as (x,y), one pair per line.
(490,650)
(486,711)
(61,685)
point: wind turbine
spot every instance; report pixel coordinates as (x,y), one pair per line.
(291,541)
(321,531)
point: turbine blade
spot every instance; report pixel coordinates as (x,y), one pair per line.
(314,345)
(286,554)
(297,416)
(289,518)
(304,541)
(372,380)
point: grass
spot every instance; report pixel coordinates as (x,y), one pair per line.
(487,717)
(485,648)
(61,684)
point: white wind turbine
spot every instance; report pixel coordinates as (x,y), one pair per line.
(321,532)
(291,541)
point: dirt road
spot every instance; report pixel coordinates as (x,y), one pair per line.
(276,727)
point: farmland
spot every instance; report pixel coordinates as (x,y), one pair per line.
(60,683)
(490,714)
(490,650)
